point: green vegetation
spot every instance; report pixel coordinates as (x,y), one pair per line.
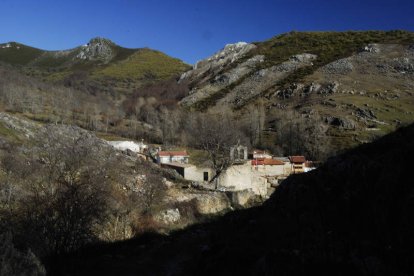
(8,134)
(144,64)
(18,54)
(328,46)
(122,69)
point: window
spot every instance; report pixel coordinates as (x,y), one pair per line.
(241,154)
(205,176)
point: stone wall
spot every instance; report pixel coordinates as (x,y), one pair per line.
(194,173)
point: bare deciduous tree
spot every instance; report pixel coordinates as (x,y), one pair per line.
(216,134)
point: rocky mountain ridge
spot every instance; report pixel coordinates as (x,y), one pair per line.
(100,63)
(330,75)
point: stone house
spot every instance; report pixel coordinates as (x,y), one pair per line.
(297,163)
(191,172)
(252,175)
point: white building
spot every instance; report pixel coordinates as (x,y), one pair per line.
(172,157)
(191,172)
(252,175)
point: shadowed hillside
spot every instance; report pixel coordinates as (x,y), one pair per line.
(352,216)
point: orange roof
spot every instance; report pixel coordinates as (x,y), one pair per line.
(267,161)
(173,153)
(297,159)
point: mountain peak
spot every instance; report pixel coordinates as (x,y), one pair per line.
(98,48)
(101,40)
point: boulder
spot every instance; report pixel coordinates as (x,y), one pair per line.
(371,48)
(365,114)
(340,122)
(341,66)
(212,203)
(242,198)
(169,216)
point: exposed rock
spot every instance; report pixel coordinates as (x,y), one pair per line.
(212,203)
(265,78)
(229,54)
(207,203)
(340,122)
(291,91)
(365,114)
(241,198)
(97,49)
(169,216)
(222,80)
(303,57)
(371,48)
(212,65)
(312,88)
(333,87)
(25,127)
(404,65)
(341,66)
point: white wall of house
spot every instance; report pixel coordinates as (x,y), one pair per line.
(242,177)
(179,159)
(194,173)
(164,159)
(246,176)
(270,170)
(171,159)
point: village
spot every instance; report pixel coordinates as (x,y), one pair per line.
(256,171)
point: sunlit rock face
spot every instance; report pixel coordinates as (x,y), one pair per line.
(97,49)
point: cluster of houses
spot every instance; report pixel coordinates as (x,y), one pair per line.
(257,171)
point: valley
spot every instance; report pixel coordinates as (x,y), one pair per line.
(112,159)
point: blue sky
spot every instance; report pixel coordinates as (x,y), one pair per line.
(189,30)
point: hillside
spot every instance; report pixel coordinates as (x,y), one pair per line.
(359,83)
(99,65)
(352,216)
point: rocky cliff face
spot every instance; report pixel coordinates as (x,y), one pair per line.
(217,62)
(97,49)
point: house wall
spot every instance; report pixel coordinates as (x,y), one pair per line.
(244,177)
(197,174)
(170,159)
(164,159)
(271,170)
(179,159)
(287,168)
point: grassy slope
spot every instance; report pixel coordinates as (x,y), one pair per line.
(19,54)
(144,63)
(128,69)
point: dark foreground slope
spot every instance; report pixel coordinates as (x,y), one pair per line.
(353,216)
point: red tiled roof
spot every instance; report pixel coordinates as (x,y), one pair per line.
(173,153)
(297,159)
(266,161)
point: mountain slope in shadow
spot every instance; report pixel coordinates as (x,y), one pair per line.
(352,216)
